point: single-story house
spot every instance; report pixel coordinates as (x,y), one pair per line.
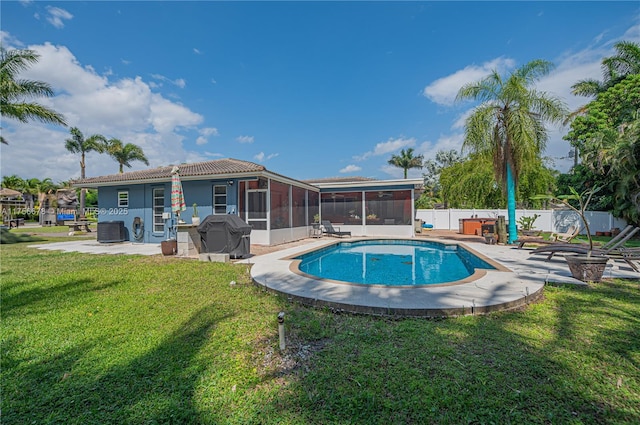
(278,208)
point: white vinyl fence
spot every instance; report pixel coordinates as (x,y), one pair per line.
(548,220)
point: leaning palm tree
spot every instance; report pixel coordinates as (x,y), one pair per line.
(78,144)
(125,154)
(509,124)
(406,160)
(16,93)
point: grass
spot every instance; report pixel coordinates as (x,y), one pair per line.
(124,339)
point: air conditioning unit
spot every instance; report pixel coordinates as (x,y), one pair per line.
(111,231)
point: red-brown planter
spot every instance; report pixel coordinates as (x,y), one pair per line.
(169,247)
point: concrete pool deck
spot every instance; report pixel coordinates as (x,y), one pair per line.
(496,290)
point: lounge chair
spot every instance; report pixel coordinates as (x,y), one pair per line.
(630,256)
(331,231)
(606,249)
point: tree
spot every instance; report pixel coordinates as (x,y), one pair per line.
(125,154)
(406,160)
(434,167)
(13,182)
(16,93)
(616,68)
(78,144)
(509,125)
(608,135)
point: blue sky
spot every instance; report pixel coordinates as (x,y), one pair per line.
(308,89)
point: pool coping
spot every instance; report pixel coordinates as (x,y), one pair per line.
(477,274)
(495,290)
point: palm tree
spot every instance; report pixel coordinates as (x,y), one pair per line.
(13,182)
(78,144)
(509,124)
(616,68)
(406,160)
(14,92)
(125,154)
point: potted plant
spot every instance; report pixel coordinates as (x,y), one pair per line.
(586,268)
(526,225)
(195,219)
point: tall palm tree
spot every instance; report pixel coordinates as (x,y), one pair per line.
(78,144)
(406,160)
(16,93)
(125,154)
(509,124)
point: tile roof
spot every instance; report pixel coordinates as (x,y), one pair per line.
(207,168)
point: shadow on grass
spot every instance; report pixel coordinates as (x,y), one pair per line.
(550,365)
(156,387)
(8,237)
(38,298)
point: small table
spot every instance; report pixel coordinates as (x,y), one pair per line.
(315,231)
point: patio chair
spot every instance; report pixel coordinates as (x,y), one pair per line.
(331,231)
(605,250)
(566,237)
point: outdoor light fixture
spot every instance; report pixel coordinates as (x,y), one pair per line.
(230,182)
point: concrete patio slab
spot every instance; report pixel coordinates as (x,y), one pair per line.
(496,290)
(91,246)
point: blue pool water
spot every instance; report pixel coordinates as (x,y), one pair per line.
(392,262)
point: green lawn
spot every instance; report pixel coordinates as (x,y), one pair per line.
(122,339)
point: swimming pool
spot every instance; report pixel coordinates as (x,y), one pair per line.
(392,262)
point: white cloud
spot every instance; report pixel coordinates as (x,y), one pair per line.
(125,108)
(57,15)
(383,148)
(261,157)
(209,131)
(179,82)
(571,67)
(204,133)
(444,90)
(196,51)
(9,41)
(244,139)
(350,169)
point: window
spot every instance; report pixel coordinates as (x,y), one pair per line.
(158,210)
(123,199)
(342,207)
(279,205)
(220,199)
(388,207)
(257,209)
(299,209)
(314,207)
